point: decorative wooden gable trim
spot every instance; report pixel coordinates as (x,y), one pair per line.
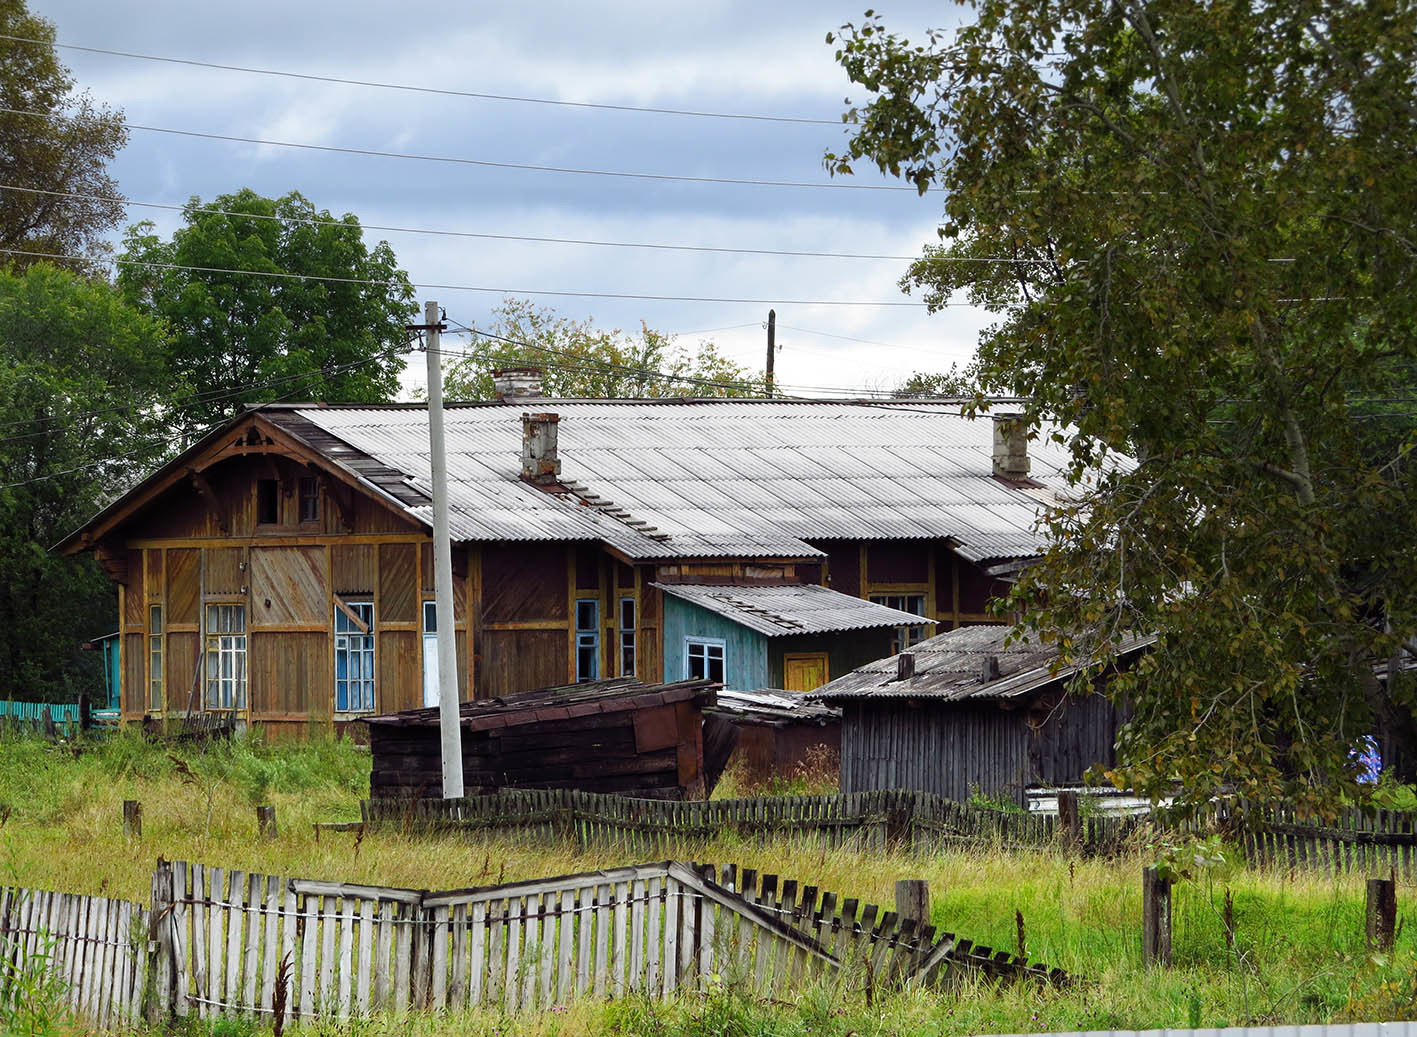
(248,436)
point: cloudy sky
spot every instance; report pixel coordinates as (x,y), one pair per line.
(724,57)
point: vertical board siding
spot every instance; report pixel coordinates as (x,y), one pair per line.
(745,652)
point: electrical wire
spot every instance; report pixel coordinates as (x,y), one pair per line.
(442,91)
(481,235)
(484,163)
(280,274)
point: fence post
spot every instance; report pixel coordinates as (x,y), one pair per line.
(1069,820)
(1156,918)
(266,822)
(161,961)
(132,819)
(51,730)
(85,713)
(1381,915)
(912,900)
(900,819)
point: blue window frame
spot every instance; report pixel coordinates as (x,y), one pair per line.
(354,657)
(587,640)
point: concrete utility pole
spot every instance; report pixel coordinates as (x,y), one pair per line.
(772,346)
(448,719)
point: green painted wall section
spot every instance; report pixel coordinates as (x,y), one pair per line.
(745,652)
(846,650)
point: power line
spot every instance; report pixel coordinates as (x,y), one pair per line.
(443,91)
(467,287)
(485,163)
(476,234)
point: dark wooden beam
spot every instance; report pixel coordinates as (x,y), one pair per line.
(204,488)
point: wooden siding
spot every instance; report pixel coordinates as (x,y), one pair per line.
(184,586)
(225,573)
(522,660)
(183,678)
(354,569)
(958,749)
(399,665)
(745,652)
(846,650)
(134,671)
(289,587)
(524,581)
(289,677)
(398,593)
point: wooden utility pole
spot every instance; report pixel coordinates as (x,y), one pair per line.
(448,713)
(772,346)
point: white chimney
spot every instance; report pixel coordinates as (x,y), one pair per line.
(517,383)
(540,462)
(1010,447)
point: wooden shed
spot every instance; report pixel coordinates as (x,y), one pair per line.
(778,731)
(618,736)
(963,714)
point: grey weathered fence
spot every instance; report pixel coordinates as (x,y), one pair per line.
(1270,835)
(221,943)
(90,951)
(872,820)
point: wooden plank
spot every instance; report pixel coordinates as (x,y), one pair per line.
(328,926)
(290,917)
(566,926)
(497,943)
(619,936)
(673,896)
(269,898)
(654,937)
(252,943)
(512,983)
(438,990)
(585,922)
(531,950)
(233,915)
(346,964)
(383,954)
(309,953)
(638,892)
(547,948)
(457,981)
(216,945)
(200,992)
(603,895)
(403,956)
(707,934)
(180,921)
(477,954)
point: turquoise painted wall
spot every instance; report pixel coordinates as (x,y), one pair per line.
(745,652)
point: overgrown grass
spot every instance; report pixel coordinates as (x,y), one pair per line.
(1295,954)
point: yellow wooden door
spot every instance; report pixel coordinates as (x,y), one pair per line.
(804,672)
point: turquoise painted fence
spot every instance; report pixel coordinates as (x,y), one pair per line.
(31,714)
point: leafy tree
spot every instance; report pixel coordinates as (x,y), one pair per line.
(239,338)
(580,360)
(1198,232)
(80,384)
(956,383)
(64,154)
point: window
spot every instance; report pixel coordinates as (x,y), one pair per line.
(309,500)
(904,637)
(627,637)
(587,640)
(226,656)
(155,657)
(432,690)
(703,659)
(354,657)
(267,502)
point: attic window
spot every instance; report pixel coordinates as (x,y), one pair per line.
(309,499)
(267,502)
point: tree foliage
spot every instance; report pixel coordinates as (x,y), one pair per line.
(580,360)
(63,150)
(238,338)
(956,383)
(80,386)
(1202,237)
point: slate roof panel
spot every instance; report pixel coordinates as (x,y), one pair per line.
(784,610)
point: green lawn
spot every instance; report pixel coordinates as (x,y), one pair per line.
(1297,953)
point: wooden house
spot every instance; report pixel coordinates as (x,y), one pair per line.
(279,570)
(962,713)
(618,735)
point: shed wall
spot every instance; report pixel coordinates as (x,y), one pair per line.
(745,652)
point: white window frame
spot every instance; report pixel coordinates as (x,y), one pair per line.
(357,648)
(588,637)
(706,643)
(629,649)
(905,636)
(226,657)
(155,658)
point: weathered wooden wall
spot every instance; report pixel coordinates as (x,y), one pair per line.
(958,749)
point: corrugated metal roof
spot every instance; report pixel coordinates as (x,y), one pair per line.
(776,708)
(949,668)
(782,610)
(720,476)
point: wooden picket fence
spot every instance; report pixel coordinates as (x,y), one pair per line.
(218,943)
(1270,835)
(89,951)
(871,820)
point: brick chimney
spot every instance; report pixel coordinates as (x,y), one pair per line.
(517,383)
(1010,447)
(540,462)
